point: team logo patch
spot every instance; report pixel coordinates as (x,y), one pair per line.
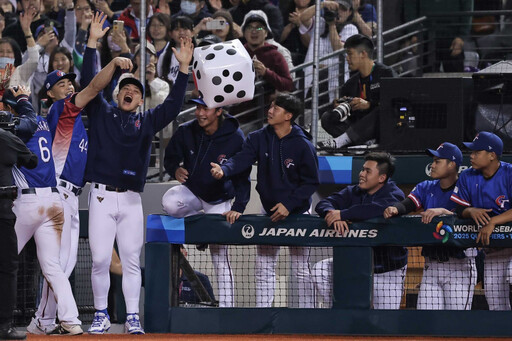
(288,163)
(222,159)
(247,231)
(100,199)
(137,124)
(501,200)
(442,232)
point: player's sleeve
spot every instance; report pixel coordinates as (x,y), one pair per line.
(242,184)
(174,152)
(28,120)
(309,179)
(417,195)
(461,195)
(334,201)
(405,206)
(166,112)
(244,159)
(89,68)
(371,210)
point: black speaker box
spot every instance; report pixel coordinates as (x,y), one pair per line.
(420,113)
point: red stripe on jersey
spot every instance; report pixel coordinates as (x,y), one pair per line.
(459,200)
(415,200)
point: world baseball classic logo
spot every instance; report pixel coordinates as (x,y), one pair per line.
(442,232)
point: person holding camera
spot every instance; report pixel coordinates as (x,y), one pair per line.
(355,117)
(336,29)
(14,152)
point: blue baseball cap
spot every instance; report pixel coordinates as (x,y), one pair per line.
(487,141)
(447,151)
(198,101)
(41,28)
(134,81)
(55,76)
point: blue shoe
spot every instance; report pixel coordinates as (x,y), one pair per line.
(100,323)
(132,324)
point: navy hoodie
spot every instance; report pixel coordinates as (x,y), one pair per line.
(356,204)
(287,167)
(196,150)
(120,141)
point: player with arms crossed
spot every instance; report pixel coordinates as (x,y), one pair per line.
(483,193)
(39,214)
(117,163)
(70,156)
(367,200)
(287,177)
(449,275)
(213,136)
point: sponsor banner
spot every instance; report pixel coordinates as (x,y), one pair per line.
(312,231)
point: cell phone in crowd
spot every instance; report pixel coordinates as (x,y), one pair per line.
(118,25)
(48,28)
(215,24)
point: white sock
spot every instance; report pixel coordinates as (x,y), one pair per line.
(342,140)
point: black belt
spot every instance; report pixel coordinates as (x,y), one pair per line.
(112,188)
(33,190)
(76,190)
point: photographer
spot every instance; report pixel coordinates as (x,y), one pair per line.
(336,29)
(362,94)
(14,152)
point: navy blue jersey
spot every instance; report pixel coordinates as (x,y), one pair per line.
(429,194)
(41,145)
(69,140)
(494,193)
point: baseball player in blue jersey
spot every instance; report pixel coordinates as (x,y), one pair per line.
(39,213)
(364,201)
(213,136)
(483,193)
(287,177)
(117,162)
(449,275)
(69,150)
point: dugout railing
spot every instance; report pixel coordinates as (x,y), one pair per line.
(351,313)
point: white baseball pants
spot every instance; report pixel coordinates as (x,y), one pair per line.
(115,216)
(496,284)
(448,285)
(388,288)
(180,202)
(41,215)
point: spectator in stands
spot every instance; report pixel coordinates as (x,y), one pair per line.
(497,46)
(158,31)
(187,293)
(243,7)
(483,194)
(229,31)
(291,38)
(15,31)
(367,200)
(213,136)
(449,275)
(269,66)
(84,15)
(131,17)
(168,66)
(336,29)
(196,10)
(449,52)
(357,121)
(10,58)
(365,17)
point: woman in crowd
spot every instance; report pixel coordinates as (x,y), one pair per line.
(158,27)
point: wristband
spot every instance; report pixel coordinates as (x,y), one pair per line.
(28,36)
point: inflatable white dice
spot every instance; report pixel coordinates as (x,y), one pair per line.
(223,73)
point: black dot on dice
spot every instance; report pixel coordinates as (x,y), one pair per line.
(218,47)
(231,52)
(210,56)
(195,64)
(229,88)
(216,80)
(237,76)
(218,98)
(225,73)
(240,94)
(200,94)
(205,47)
(198,74)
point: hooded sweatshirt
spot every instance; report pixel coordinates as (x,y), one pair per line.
(196,150)
(287,167)
(356,204)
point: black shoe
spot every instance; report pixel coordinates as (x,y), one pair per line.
(10,333)
(327,145)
